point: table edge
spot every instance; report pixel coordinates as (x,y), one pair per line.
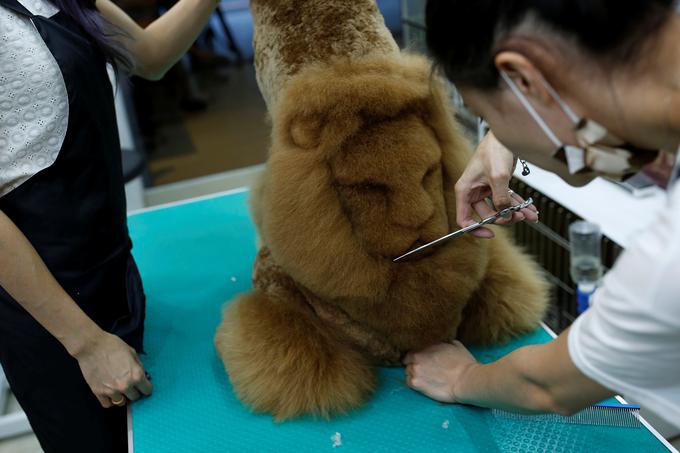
(173,204)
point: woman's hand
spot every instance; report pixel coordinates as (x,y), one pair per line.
(436,370)
(112,370)
(488,176)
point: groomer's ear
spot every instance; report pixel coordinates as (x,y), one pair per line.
(525,74)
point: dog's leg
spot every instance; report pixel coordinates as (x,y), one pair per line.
(282,360)
(511,300)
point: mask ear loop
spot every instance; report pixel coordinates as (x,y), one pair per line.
(530,108)
(572,156)
(675,176)
(563,105)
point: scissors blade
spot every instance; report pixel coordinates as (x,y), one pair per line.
(468,228)
(449,236)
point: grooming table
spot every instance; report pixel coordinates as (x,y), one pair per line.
(197,255)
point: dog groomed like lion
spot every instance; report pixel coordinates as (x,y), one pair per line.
(364,157)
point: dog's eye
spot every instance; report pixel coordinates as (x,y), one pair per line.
(363,188)
(369,187)
(430,172)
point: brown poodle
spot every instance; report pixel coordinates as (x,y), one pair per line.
(364,157)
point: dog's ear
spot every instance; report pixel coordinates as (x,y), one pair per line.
(305,131)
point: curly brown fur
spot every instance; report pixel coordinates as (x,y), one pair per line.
(292,34)
(281,358)
(364,157)
(511,300)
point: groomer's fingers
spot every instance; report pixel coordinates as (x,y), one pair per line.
(501,194)
(468,192)
(144,385)
(529,213)
(479,232)
(104,401)
(517,199)
(116,398)
(408,358)
(132,394)
(483,210)
(140,378)
(464,209)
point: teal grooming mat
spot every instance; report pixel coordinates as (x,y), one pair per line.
(194,257)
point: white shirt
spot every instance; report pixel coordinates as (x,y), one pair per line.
(629,339)
(33,98)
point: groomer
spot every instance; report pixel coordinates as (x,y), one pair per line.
(580,88)
(71,299)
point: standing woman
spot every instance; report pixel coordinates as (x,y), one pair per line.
(581,88)
(71,298)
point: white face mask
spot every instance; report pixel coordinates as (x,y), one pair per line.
(599,151)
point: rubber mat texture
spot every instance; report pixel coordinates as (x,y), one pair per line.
(193,258)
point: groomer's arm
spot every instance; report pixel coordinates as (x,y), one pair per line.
(109,366)
(156,48)
(532,379)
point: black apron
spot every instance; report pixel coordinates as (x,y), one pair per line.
(74,212)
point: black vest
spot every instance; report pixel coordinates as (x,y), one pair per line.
(74,212)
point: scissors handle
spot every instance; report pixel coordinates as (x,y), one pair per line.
(504,213)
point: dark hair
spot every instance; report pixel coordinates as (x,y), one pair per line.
(461,34)
(103,33)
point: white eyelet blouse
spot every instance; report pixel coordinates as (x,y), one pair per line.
(33,98)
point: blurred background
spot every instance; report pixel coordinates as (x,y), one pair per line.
(206,116)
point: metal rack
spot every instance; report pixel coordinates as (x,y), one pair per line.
(548,242)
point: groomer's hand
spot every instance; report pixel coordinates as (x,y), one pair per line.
(436,370)
(112,370)
(488,176)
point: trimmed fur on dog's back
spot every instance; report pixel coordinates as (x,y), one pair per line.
(365,154)
(290,35)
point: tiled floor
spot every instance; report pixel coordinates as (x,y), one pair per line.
(21,444)
(231,133)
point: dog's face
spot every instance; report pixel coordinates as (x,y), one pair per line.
(363,163)
(389,180)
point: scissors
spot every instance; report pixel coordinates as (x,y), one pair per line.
(504,213)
